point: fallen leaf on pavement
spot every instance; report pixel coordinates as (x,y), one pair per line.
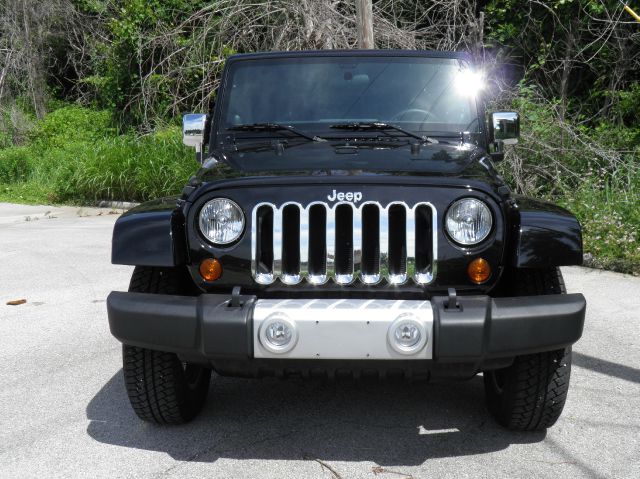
(16,302)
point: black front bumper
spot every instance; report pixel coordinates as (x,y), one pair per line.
(481,333)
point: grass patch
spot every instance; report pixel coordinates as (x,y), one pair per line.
(75,157)
(610,218)
(28,193)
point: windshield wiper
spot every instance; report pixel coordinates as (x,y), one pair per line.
(274,127)
(380,126)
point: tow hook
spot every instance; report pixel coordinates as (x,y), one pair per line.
(452,301)
(235,298)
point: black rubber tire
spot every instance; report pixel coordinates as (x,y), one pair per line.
(161,388)
(530,394)
(148,279)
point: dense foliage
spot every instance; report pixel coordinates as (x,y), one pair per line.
(73,155)
(90,91)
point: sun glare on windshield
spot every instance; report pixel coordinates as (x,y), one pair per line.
(469,82)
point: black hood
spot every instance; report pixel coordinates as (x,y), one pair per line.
(264,159)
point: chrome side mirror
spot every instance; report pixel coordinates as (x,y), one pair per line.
(504,127)
(193,125)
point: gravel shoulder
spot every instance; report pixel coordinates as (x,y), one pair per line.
(64,412)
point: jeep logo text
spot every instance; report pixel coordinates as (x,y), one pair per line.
(354,196)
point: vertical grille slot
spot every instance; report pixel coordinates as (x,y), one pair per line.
(370,240)
(291,240)
(317,241)
(264,253)
(397,243)
(344,243)
(424,233)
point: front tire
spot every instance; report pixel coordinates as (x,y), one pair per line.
(161,388)
(530,394)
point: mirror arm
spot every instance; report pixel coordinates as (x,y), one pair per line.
(498,153)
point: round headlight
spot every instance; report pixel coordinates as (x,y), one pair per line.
(468,221)
(221,221)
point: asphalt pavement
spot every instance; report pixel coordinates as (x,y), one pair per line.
(64,412)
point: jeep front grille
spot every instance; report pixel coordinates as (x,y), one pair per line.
(343,243)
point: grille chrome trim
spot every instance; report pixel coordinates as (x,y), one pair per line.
(330,253)
(398,278)
(277,242)
(410,228)
(278,225)
(356,263)
(355,274)
(304,243)
(260,278)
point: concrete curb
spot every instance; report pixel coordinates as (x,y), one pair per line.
(117,205)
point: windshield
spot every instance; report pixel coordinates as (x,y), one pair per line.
(313,93)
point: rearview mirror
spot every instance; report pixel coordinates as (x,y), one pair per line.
(193,125)
(504,127)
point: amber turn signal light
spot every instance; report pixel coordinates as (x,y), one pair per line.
(210,269)
(479,270)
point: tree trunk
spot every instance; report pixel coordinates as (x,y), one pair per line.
(364,19)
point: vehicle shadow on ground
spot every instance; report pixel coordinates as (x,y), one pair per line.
(384,422)
(609,368)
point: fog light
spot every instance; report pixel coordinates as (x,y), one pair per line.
(407,334)
(479,270)
(210,269)
(278,334)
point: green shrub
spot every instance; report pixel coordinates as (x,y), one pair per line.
(72,123)
(607,210)
(593,172)
(15,164)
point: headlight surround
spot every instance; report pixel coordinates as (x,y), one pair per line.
(221,221)
(468,221)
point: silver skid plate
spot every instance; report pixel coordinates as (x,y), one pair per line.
(343,329)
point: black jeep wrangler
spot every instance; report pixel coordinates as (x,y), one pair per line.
(348,220)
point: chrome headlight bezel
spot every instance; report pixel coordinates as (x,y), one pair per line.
(483,233)
(206,209)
